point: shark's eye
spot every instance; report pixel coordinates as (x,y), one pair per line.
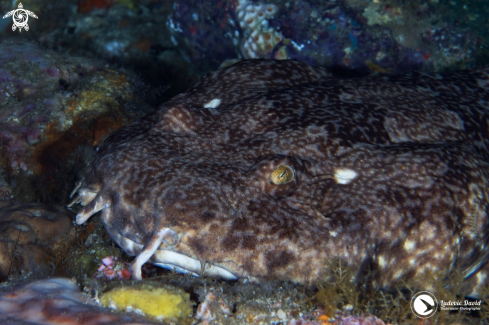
(282,175)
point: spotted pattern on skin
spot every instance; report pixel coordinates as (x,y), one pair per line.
(414,197)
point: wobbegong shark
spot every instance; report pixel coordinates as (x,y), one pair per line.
(271,169)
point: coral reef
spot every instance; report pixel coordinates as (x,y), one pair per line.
(175,43)
(220,303)
(33,240)
(50,106)
(56,110)
(375,36)
(258,40)
(131,34)
(93,251)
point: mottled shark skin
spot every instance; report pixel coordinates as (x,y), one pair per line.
(387,174)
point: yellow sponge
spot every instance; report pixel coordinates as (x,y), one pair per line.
(160,303)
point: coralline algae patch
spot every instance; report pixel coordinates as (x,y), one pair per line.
(102,91)
(159,303)
(88,115)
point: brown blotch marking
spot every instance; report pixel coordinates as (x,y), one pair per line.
(199,245)
(248,265)
(146,222)
(399,198)
(249,242)
(230,243)
(240,224)
(278,260)
(288,232)
(457,218)
(207,216)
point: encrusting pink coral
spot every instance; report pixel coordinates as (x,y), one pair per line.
(110,267)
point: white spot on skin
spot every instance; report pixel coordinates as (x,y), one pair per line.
(344,176)
(412,261)
(333,233)
(431,234)
(409,245)
(382,262)
(481,278)
(213,103)
(398,274)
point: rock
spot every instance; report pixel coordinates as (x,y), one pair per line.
(53,109)
(33,237)
(57,301)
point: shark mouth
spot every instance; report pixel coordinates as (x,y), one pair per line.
(93,202)
(175,261)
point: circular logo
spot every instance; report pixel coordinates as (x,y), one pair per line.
(424,304)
